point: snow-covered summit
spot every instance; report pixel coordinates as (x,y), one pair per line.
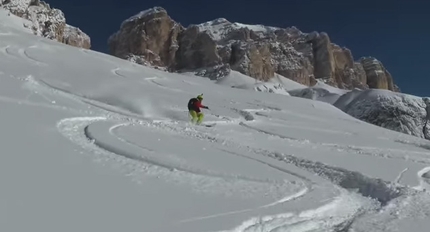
(219,28)
(145,13)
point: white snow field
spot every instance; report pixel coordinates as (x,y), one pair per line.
(94,143)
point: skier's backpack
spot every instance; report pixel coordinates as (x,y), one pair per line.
(191,104)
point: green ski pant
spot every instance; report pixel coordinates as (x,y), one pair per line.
(196,117)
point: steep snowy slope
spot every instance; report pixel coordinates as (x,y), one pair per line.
(94,143)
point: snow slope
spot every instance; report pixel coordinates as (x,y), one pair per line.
(320,92)
(95,143)
(278,84)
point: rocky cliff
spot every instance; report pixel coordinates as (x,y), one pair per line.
(47,22)
(213,48)
(149,38)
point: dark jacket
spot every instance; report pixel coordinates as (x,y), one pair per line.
(195,104)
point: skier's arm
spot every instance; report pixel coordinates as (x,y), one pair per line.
(199,104)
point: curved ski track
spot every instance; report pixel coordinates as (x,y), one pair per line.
(7,52)
(14,53)
(23,52)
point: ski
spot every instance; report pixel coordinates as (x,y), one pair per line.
(208,125)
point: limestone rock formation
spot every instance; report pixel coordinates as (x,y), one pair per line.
(378,77)
(47,22)
(75,37)
(153,38)
(196,50)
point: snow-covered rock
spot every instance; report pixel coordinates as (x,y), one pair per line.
(76,37)
(258,51)
(392,110)
(46,21)
(399,112)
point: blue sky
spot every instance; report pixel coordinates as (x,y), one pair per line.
(394,31)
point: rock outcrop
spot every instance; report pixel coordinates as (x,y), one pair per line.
(196,50)
(149,38)
(255,50)
(377,76)
(75,37)
(47,22)
(395,111)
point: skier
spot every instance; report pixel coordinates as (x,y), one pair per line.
(194,105)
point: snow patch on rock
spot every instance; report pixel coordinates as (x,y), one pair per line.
(143,14)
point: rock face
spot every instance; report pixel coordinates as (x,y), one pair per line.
(149,38)
(196,50)
(47,22)
(255,50)
(378,77)
(75,37)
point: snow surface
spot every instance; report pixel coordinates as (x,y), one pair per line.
(278,84)
(14,22)
(320,92)
(91,142)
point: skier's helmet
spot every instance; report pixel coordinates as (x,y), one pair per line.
(200,97)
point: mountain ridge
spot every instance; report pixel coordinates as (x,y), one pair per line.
(153,38)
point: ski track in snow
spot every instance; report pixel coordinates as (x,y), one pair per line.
(117,73)
(309,220)
(154,81)
(78,130)
(7,51)
(112,129)
(324,217)
(424,177)
(6,34)
(360,150)
(24,53)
